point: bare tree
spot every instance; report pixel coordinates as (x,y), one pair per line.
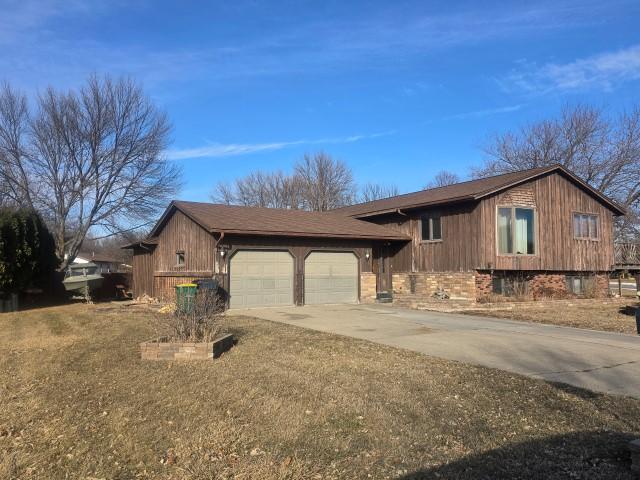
(602,150)
(86,158)
(442,179)
(318,183)
(326,183)
(375,191)
(260,189)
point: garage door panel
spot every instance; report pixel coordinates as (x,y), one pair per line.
(331,277)
(261,278)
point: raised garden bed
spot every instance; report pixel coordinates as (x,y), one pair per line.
(161,349)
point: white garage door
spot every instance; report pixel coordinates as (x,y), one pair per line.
(330,277)
(261,278)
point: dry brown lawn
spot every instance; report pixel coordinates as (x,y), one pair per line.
(613,317)
(77,402)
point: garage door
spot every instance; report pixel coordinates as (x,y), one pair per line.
(261,278)
(330,277)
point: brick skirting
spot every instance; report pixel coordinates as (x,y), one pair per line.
(457,285)
(367,287)
(414,289)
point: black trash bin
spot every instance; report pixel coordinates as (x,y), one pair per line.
(210,284)
(208,288)
(638,320)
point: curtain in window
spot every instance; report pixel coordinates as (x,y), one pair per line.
(524,231)
(593,226)
(504,231)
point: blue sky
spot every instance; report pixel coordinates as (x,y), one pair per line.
(399,90)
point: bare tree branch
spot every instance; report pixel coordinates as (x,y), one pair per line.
(86,158)
(318,183)
(442,179)
(375,191)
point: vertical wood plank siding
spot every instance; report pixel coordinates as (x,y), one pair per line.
(469,232)
(457,251)
(142,274)
(556,199)
(182,233)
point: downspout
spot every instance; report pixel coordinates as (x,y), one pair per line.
(216,243)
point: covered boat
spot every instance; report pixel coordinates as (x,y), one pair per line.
(82,278)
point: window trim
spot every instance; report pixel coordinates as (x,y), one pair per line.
(536,247)
(586,239)
(184,259)
(430,216)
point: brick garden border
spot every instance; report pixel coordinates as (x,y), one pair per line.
(160,349)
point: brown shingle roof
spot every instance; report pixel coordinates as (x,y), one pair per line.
(279,222)
(465,191)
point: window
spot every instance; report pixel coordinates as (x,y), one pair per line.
(179,258)
(585,226)
(431,228)
(580,285)
(516,231)
(510,286)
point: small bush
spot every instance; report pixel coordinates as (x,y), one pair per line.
(199,323)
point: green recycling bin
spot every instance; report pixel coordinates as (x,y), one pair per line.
(185,297)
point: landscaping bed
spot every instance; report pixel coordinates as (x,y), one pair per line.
(286,403)
(610,315)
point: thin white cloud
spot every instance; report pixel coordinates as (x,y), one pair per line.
(217,150)
(35,52)
(603,71)
(485,113)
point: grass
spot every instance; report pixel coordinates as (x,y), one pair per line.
(611,317)
(286,403)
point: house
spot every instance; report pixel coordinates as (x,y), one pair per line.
(104,263)
(543,232)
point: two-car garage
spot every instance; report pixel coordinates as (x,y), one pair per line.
(260,278)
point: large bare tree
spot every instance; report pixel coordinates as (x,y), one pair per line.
(318,182)
(602,149)
(261,189)
(442,179)
(326,183)
(376,191)
(86,158)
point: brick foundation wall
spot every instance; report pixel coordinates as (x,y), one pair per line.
(367,287)
(484,285)
(458,285)
(547,285)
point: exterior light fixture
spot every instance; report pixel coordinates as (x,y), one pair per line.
(366,255)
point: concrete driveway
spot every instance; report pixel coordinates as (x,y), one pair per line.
(599,361)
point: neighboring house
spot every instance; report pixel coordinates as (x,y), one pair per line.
(539,232)
(104,263)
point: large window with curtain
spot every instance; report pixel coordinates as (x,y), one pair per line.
(516,231)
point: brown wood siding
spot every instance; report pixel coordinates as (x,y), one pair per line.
(555,199)
(454,253)
(469,232)
(142,275)
(182,233)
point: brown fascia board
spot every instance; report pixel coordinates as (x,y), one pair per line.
(448,201)
(272,233)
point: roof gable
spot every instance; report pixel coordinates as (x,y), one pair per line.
(469,191)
